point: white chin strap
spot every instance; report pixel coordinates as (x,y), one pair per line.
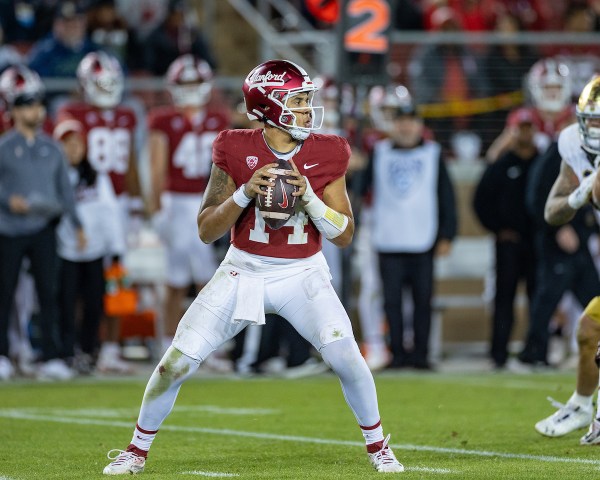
(295,132)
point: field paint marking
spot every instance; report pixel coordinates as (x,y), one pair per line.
(209,474)
(495,381)
(225,410)
(6,478)
(430,470)
(120,412)
(19,414)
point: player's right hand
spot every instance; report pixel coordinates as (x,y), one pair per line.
(261,177)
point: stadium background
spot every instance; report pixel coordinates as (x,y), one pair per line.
(242,33)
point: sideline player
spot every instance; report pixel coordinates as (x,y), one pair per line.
(576,185)
(180,146)
(269,271)
(109,131)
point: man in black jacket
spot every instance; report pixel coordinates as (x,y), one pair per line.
(500,206)
(564,261)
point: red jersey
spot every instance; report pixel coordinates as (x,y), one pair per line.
(189,146)
(109,135)
(322,159)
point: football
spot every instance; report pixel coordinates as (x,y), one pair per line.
(277,206)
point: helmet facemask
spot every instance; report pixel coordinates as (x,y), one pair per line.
(191,94)
(292,104)
(105,90)
(589,130)
(588,117)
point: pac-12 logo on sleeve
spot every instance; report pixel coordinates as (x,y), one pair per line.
(251,161)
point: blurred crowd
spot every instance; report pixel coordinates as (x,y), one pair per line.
(135,166)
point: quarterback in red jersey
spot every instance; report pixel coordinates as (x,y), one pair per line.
(270,271)
(180,146)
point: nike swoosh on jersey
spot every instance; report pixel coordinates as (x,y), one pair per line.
(306,167)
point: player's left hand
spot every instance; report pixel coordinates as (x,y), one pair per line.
(443,247)
(299,180)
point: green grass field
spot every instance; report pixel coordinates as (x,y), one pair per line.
(446,426)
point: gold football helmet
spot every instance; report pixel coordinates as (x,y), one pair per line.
(588,116)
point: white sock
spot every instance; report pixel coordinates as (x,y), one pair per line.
(142,439)
(372,435)
(581,400)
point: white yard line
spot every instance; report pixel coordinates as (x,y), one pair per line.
(24,415)
(209,474)
(123,412)
(430,470)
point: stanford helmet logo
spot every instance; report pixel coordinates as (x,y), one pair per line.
(251,161)
(266,79)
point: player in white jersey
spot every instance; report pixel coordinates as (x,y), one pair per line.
(576,185)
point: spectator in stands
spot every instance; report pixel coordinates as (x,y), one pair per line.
(563,258)
(26,21)
(414,219)
(177,35)
(109,30)
(59,54)
(34,193)
(577,19)
(475,15)
(143,16)
(9,55)
(538,14)
(505,66)
(499,203)
(447,75)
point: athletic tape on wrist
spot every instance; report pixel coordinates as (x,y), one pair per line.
(582,194)
(330,223)
(240,198)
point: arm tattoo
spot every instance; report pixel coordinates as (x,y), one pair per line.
(220,187)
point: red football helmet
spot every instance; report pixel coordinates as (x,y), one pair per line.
(19,84)
(549,83)
(267,89)
(101,79)
(189,81)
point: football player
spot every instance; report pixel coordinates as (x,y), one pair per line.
(180,146)
(577,184)
(109,130)
(270,271)
(548,86)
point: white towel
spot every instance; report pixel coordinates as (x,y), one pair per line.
(250,300)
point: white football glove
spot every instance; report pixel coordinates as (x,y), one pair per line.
(582,194)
